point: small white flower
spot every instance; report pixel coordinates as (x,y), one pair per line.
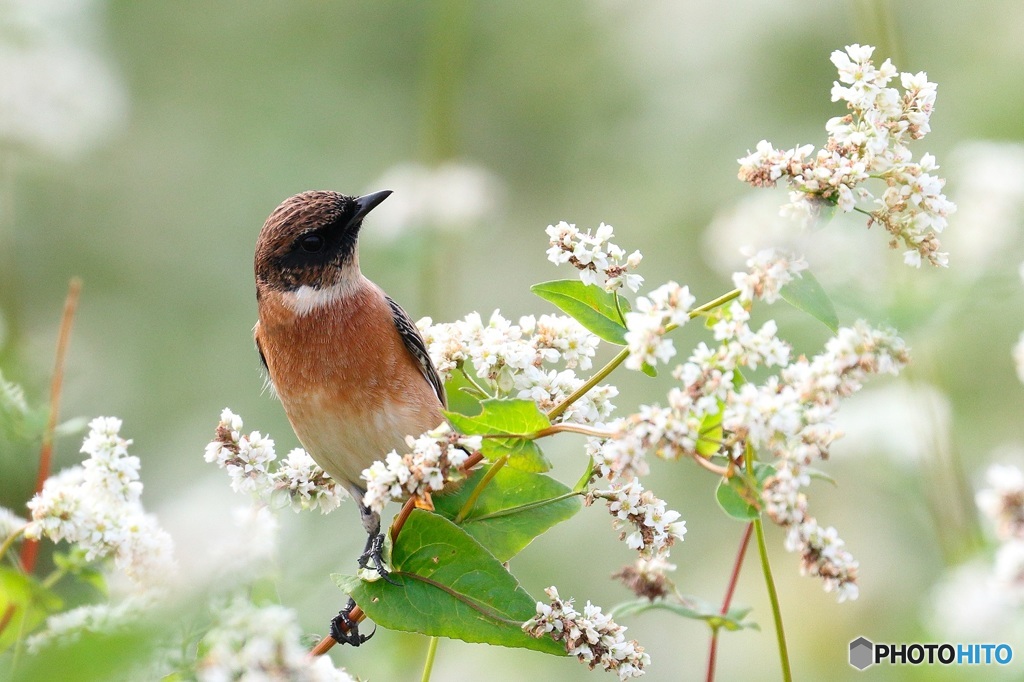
(870,141)
(249,642)
(646,525)
(768,272)
(591,636)
(668,305)
(433,460)
(600,262)
(97,507)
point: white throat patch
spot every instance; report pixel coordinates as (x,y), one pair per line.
(306,299)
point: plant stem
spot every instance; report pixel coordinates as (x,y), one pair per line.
(618,308)
(727,600)
(773,596)
(429,663)
(591,382)
(491,473)
(31,549)
(624,353)
(569,428)
(473,383)
(11,539)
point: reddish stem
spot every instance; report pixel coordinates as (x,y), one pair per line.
(30,550)
(729,592)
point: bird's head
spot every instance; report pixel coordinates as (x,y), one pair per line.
(309,242)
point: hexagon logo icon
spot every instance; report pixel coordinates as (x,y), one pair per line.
(861,653)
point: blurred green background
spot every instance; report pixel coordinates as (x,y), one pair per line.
(144,145)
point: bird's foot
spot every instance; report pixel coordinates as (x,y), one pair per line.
(374,552)
(346,631)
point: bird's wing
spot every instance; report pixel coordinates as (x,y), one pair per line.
(415,344)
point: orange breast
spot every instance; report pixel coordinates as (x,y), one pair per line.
(350,388)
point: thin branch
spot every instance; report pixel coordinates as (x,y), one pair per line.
(727,600)
(31,549)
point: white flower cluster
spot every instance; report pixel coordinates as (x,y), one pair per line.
(768,271)
(789,416)
(10,523)
(297,480)
(647,578)
(60,94)
(433,460)
(97,507)
(822,551)
(622,456)
(871,141)
(248,642)
(515,360)
(823,556)
(665,308)
(1003,504)
(600,262)
(646,525)
(592,636)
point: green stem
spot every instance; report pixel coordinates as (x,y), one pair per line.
(11,539)
(773,596)
(624,353)
(591,382)
(618,308)
(429,664)
(491,473)
(473,382)
(54,578)
(584,481)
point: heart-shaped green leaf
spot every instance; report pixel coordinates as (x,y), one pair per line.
(448,585)
(516,418)
(738,499)
(591,306)
(512,509)
(805,293)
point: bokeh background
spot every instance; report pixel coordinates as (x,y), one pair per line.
(143,144)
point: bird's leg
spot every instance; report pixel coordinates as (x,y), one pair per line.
(374,542)
(345,630)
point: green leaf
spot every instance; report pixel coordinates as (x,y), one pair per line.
(591,306)
(514,508)
(711,434)
(649,370)
(518,419)
(805,293)
(448,586)
(818,474)
(694,608)
(737,499)
(31,602)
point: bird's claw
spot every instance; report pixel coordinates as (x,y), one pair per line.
(374,552)
(346,631)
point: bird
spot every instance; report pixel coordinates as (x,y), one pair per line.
(345,360)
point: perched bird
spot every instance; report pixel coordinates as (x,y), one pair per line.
(347,363)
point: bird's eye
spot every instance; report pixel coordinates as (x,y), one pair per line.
(311,243)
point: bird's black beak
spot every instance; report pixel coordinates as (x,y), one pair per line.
(369,202)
